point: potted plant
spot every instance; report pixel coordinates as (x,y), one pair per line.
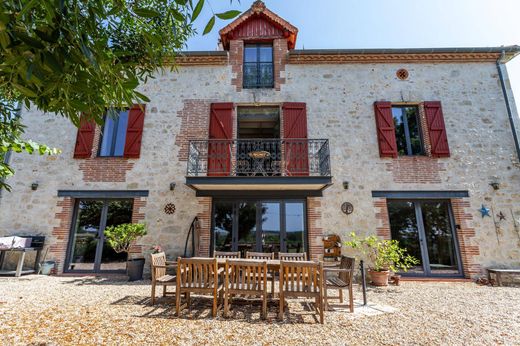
(383,255)
(121,238)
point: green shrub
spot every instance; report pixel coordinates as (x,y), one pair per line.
(121,237)
(383,254)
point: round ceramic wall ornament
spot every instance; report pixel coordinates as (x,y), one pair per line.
(347,208)
(402,74)
(169,208)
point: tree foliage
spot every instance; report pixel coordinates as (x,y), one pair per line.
(11,130)
(77,57)
(121,237)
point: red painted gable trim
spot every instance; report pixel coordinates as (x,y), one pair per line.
(258,10)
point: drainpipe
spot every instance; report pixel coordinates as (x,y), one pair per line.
(501,72)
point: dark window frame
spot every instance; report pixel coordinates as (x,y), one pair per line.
(114,137)
(103,220)
(258,201)
(409,151)
(258,84)
(417,203)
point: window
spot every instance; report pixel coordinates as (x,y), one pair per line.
(259,225)
(407,130)
(258,130)
(425,229)
(88,251)
(114,133)
(258,66)
(258,122)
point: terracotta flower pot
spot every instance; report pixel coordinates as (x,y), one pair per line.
(379,278)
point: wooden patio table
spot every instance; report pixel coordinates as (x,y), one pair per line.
(273,265)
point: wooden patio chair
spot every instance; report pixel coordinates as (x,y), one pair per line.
(226,254)
(301,280)
(263,256)
(260,255)
(245,278)
(159,275)
(198,275)
(342,280)
(292,256)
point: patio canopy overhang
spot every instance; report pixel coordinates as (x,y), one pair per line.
(311,185)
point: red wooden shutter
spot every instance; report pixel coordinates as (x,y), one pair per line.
(134,132)
(295,134)
(84,139)
(436,129)
(220,135)
(385,129)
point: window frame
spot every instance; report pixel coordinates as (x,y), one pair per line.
(258,84)
(114,137)
(259,106)
(407,129)
(101,235)
(417,205)
(235,202)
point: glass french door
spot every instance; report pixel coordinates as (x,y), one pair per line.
(88,251)
(426,229)
(259,225)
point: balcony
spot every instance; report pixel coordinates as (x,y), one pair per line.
(259,164)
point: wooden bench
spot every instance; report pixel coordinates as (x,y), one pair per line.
(499,272)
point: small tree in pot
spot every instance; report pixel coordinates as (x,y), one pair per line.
(384,256)
(121,238)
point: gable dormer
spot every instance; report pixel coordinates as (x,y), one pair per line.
(259,23)
(258,42)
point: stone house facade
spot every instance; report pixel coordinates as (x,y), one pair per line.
(263,144)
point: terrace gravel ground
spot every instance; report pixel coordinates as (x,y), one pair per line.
(44,310)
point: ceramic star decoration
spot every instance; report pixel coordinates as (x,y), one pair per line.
(484,211)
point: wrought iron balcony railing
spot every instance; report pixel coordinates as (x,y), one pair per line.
(258,75)
(259,157)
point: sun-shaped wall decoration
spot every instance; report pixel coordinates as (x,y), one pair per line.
(169,208)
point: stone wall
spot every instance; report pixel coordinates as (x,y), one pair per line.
(340,107)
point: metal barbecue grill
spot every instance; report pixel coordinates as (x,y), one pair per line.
(20,245)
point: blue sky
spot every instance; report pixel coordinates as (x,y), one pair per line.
(387,24)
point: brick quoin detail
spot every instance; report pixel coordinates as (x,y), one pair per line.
(204,226)
(315,231)
(138,214)
(236,59)
(468,252)
(280,52)
(60,233)
(194,124)
(104,169)
(383,221)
